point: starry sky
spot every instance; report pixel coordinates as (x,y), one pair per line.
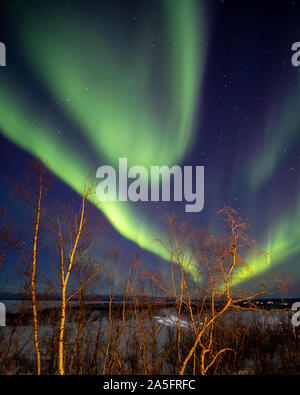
(201,83)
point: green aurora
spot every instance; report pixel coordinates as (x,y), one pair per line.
(118,109)
(129,103)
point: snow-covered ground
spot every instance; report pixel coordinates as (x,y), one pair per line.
(172,321)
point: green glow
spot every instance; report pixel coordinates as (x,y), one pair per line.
(59,157)
(128,103)
(283,244)
(114,100)
(282,130)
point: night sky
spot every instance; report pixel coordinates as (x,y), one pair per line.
(163,82)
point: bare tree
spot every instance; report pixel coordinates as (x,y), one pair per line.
(32,191)
(72,248)
(203,266)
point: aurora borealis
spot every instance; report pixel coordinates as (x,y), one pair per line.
(162,83)
(114,125)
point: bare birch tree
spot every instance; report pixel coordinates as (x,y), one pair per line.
(32,190)
(73,247)
(210,295)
